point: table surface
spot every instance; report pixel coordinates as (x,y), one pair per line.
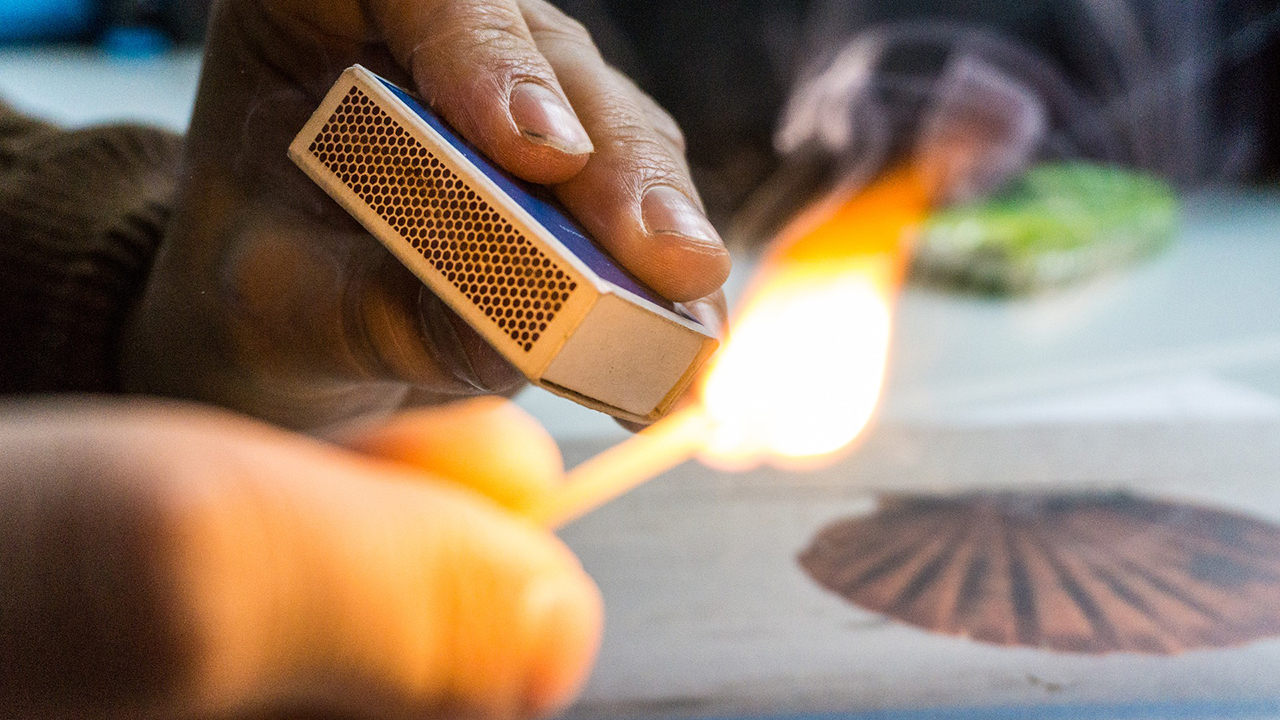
(709,614)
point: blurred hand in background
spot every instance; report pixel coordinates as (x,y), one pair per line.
(161,560)
(267,298)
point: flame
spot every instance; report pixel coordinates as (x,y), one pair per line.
(800,374)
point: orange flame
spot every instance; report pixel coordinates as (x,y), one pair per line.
(800,374)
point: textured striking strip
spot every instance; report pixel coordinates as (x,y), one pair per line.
(495,266)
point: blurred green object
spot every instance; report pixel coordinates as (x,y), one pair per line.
(1055,224)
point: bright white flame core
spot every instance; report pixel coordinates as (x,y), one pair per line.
(801,372)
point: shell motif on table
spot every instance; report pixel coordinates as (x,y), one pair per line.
(1086,572)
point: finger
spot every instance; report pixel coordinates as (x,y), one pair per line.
(661,121)
(467,354)
(422,590)
(328,330)
(475,62)
(403,331)
(487,444)
(634,194)
(712,311)
(285,574)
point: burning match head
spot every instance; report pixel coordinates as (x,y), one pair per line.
(500,253)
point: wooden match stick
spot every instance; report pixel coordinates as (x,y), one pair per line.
(651,451)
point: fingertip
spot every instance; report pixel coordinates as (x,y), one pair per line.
(679,269)
(525,126)
(712,311)
(455,348)
(533,159)
(564,617)
(491,371)
(666,210)
(542,164)
(545,118)
(684,244)
(529,619)
(487,444)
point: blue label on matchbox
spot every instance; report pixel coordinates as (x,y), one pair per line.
(544,211)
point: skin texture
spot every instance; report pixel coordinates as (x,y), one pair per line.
(164,560)
(267,298)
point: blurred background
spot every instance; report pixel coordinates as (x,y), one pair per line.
(1165,305)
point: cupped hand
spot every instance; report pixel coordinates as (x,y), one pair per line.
(162,560)
(267,298)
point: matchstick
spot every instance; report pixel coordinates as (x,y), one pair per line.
(657,448)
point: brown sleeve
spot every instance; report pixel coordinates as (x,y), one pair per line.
(16,131)
(81,215)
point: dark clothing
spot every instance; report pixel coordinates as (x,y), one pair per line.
(81,215)
(1188,89)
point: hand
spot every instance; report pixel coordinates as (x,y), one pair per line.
(267,298)
(169,561)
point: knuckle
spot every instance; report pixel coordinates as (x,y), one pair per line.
(494,40)
(642,150)
(658,117)
(634,144)
(567,32)
(464,16)
(471,43)
(567,38)
(669,128)
(547,20)
(483,36)
(571,27)
(644,165)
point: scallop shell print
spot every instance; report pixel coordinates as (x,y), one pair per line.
(1086,573)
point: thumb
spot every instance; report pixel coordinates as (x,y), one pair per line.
(487,444)
(315,578)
